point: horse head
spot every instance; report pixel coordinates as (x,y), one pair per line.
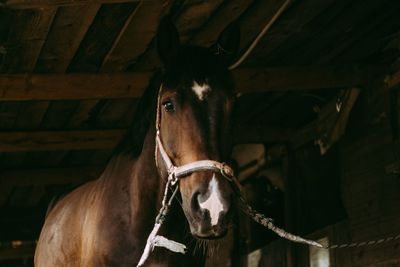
(195,104)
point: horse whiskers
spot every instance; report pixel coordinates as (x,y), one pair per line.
(200,246)
(213,247)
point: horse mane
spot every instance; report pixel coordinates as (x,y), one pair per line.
(132,143)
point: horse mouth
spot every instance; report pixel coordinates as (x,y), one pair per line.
(210,236)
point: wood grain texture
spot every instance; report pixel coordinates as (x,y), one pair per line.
(135,36)
(132,85)
(291,23)
(108,139)
(59,140)
(27,34)
(255,18)
(228,12)
(73,86)
(69,28)
(50,176)
(28,4)
(99,39)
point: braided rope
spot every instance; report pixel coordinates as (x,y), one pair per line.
(364,243)
(268,223)
(154,240)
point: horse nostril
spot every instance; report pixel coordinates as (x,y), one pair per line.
(194,203)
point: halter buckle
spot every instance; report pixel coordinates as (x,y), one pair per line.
(226,171)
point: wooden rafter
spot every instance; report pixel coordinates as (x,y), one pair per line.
(228,12)
(330,125)
(72,86)
(51,176)
(67,32)
(59,140)
(28,33)
(302,78)
(108,139)
(27,4)
(132,85)
(134,38)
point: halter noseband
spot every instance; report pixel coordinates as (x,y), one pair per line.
(177,172)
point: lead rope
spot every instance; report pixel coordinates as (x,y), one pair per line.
(155,240)
(365,243)
(265,221)
(268,223)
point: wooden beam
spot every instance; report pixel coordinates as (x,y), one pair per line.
(59,140)
(72,86)
(108,139)
(330,124)
(67,32)
(27,35)
(228,12)
(131,85)
(51,176)
(27,4)
(290,26)
(135,36)
(302,78)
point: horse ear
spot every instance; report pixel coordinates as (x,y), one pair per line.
(228,42)
(167,41)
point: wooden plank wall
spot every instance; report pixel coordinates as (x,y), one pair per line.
(368,171)
(371,194)
(369,184)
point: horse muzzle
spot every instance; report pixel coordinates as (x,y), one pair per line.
(208,187)
(208,205)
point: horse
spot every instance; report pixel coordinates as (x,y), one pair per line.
(188,106)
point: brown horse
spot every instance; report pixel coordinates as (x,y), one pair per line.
(106,222)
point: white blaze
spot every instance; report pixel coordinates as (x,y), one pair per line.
(200,90)
(213,203)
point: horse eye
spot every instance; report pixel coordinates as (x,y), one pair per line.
(169,106)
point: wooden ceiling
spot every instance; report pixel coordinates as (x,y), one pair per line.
(71,72)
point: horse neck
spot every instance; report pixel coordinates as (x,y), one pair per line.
(145,190)
(176,222)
